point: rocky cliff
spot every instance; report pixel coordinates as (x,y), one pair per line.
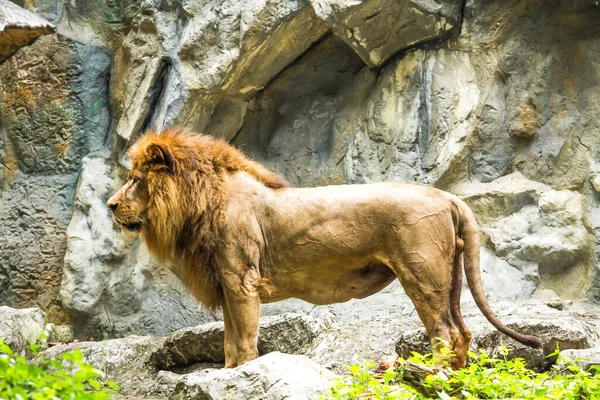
(495,101)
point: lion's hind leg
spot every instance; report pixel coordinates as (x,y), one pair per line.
(462,340)
(429,287)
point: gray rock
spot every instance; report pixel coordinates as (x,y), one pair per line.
(230,51)
(556,331)
(500,198)
(124,361)
(361,140)
(53,111)
(138,73)
(287,126)
(86,21)
(110,282)
(19,27)
(415,340)
(583,358)
(539,231)
(547,241)
(596,183)
(60,333)
(190,345)
(272,376)
(502,281)
(290,333)
(377,30)
(21,327)
(239,47)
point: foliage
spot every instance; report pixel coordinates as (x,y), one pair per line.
(363,384)
(65,378)
(484,378)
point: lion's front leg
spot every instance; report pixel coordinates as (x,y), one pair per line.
(243,311)
(230,342)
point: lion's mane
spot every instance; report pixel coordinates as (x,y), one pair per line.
(185,213)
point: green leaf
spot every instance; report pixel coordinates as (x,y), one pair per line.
(389,375)
(113,385)
(354,369)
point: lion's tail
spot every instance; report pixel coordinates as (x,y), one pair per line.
(469,231)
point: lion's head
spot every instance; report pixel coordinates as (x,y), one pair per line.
(129,204)
(175,197)
(152,163)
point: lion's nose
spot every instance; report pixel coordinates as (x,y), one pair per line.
(112,205)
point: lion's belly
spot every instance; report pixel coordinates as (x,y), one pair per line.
(332,284)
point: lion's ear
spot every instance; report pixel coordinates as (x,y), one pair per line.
(158,155)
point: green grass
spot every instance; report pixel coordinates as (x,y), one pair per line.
(484,378)
(67,377)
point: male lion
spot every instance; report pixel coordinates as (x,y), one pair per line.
(239,236)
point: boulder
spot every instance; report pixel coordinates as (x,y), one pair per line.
(583,358)
(596,183)
(124,361)
(19,27)
(272,376)
(290,333)
(414,340)
(21,327)
(547,241)
(502,281)
(555,330)
(559,332)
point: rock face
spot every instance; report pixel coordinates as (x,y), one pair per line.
(540,232)
(377,30)
(53,111)
(110,282)
(495,101)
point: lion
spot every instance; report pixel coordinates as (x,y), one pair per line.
(239,235)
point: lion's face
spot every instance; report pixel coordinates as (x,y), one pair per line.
(129,204)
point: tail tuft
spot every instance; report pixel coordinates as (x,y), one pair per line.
(533,341)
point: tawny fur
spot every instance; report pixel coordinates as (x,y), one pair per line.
(228,226)
(185,210)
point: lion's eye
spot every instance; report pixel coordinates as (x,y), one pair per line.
(135,179)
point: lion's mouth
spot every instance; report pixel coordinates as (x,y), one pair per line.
(131,227)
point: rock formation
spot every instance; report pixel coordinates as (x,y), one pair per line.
(495,101)
(19,27)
